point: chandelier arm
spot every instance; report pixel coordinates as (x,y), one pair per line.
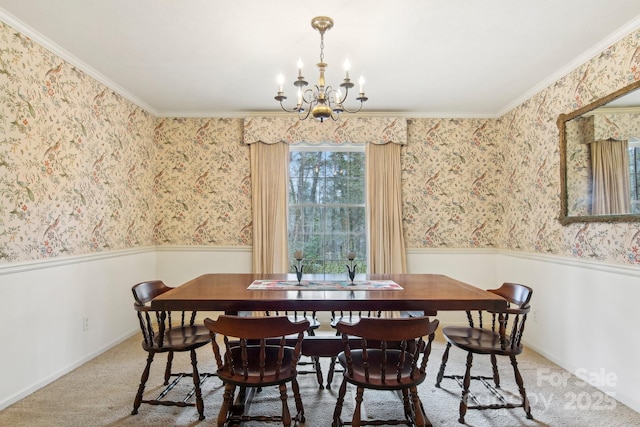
(329,96)
(346,110)
(293,110)
(297,109)
(309,95)
(303,116)
(346,93)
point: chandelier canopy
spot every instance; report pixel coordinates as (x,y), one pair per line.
(321,101)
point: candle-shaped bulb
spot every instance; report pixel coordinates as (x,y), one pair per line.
(300,67)
(338,96)
(347,66)
(351,256)
(298,255)
(280,82)
(361,81)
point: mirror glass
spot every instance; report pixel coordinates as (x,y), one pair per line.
(600,159)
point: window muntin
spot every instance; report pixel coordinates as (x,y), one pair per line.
(327,208)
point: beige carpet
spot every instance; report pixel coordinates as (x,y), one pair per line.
(100,393)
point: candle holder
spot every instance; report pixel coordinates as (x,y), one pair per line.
(351,267)
(298,266)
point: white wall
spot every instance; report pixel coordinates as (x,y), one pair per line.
(42,305)
(178,264)
(474,266)
(584,313)
(584,317)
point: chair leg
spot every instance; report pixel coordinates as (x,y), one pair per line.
(408,411)
(167,370)
(465,388)
(523,393)
(227,401)
(339,402)
(332,370)
(418,414)
(496,375)
(286,415)
(143,381)
(357,414)
(296,397)
(445,358)
(318,368)
(196,385)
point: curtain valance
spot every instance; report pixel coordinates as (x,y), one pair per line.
(619,126)
(291,130)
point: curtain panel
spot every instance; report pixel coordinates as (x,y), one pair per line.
(384,209)
(270,138)
(610,168)
(269,172)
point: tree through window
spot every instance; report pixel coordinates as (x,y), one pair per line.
(327,208)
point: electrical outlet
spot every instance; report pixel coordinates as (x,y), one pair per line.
(85,323)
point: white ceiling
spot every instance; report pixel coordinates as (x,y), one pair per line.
(420,58)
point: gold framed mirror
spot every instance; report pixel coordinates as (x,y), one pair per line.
(594,186)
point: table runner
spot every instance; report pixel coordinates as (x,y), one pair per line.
(326,285)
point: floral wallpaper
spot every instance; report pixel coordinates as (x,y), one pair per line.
(451,169)
(531,189)
(579,132)
(76,159)
(620,126)
(84,170)
(202,183)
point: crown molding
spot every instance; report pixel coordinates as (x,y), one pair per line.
(56,49)
(578,61)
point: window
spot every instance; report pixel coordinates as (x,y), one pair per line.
(327,208)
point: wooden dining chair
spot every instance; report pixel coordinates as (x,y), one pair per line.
(392,355)
(297,316)
(314,324)
(168,332)
(248,357)
(502,337)
(347,316)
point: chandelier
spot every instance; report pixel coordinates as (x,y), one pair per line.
(321,101)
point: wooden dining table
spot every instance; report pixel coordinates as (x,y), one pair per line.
(230,293)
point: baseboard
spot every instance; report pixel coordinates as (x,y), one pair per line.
(51,378)
(620,397)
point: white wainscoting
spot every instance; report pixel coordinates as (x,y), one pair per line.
(42,306)
(584,318)
(584,313)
